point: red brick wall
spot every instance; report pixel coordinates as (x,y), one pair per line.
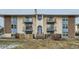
(71,27)
(7,24)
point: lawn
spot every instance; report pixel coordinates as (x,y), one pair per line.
(39,44)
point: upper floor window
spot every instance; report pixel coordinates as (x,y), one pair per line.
(28,19)
(65,19)
(39,17)
(14,17)
(50,18)
(50,26)
(65,22)
(14,20)
(65,26)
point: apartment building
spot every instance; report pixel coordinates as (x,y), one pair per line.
(39,24)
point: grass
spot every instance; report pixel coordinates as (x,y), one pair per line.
(41,44)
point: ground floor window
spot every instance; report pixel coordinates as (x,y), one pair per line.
(65,27)
(65,35)
(77,26)
(13,26)
(28,29)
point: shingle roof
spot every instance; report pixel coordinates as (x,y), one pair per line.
(39,11)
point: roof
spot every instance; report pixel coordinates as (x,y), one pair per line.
(39,11)
(16,12)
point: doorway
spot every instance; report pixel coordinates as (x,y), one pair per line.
(39,30)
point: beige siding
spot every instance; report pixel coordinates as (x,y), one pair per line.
(36,22)
(45,25)
(20,24)
(34,25)
(58,25)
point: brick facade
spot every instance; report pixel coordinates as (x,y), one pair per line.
(7,24)
(71,27)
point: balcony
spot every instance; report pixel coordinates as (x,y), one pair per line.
(28,25)
(51,21)
(28,21)
(50,30)
(28,31)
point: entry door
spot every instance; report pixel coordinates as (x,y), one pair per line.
(39,30)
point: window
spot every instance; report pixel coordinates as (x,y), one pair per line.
(28,19)
(50,28)
(39,17)
(13,26)
(50,19)
(65,26)
(65,34)
(14,20)
(28,29)
(65,18)
(65,23)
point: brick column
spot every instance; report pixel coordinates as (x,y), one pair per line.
(71,27)
(7,24)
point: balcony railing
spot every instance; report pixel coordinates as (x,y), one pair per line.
(28,31)
(50,29)
(28,26)
(28,21)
